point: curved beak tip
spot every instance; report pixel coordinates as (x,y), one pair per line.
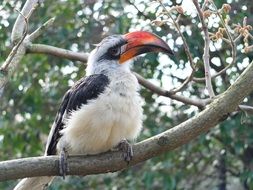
(143,42)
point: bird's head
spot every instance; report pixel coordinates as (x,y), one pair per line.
(116,50)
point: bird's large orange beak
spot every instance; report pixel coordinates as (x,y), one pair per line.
(142,42)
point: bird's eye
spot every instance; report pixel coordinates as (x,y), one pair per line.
(115,51)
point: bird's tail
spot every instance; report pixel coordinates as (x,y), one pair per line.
(34,183)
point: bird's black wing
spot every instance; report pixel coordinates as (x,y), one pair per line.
(85,89)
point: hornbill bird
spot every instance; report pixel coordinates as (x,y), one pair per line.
(103,109)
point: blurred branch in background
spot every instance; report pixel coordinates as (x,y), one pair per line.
(206,55)
(186,47)
(219,35)
(19,39)
(67,54)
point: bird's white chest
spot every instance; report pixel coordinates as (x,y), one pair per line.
(102,123)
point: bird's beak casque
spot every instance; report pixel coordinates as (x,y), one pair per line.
(142,42)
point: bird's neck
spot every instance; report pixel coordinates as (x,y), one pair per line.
(108,69)
(120,76)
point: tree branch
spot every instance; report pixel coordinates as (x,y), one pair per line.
(20,23)
(186,49)
(83,57)
(176,25)
(166,141)
(158,90)
(41,29)
(4,67)
(246,108)
(59,52)
(230,41)
(20,40)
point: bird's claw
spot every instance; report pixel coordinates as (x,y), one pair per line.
(63,164)
(127,150)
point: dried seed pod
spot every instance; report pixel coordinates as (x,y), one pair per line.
(246,50)
(219,35)
(158,22)
(242,30)
(207,13)
(249,27)
(221,30)
(237,28)
(180,9)
(226,8)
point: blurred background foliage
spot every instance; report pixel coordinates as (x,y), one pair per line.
(220,159)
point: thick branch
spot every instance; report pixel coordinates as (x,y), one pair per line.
(166,141)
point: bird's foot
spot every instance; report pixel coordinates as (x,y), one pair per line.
(63,164)
(127,150)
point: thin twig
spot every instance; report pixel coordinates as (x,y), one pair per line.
(175,90)
(186,48)
(158,90)
(41,29)
(19,25)
(139,12)
(246,108)
(4,67)
(231,43)
(206,55)
(19,39)
(237,38)
(223,38)
(205,3)
(250,36)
